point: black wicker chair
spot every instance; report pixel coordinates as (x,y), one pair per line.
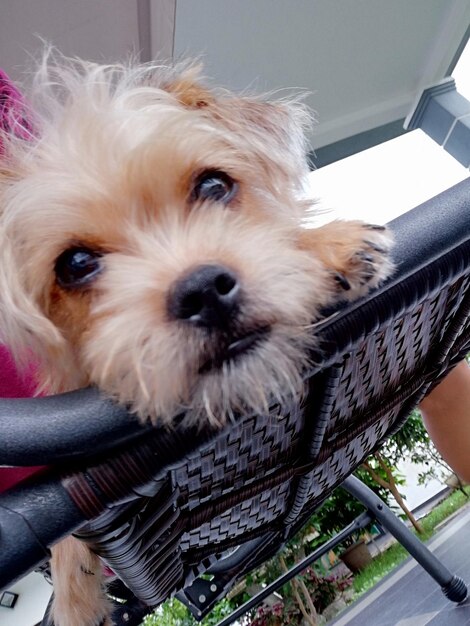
(164,508)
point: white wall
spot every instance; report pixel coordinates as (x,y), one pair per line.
(34,593)
(363,61)
(101,30)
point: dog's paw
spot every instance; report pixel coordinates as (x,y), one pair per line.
(367,261)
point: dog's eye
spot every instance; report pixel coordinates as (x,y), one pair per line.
(214,185)
(77,266)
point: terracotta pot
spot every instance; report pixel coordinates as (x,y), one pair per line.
(357,556)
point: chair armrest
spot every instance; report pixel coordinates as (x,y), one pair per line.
(65,427)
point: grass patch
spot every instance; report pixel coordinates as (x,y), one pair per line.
(380,566)
(442,511)
(388,560)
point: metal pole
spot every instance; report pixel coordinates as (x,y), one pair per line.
(452,586)
(357,524)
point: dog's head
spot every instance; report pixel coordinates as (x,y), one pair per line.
(148,241)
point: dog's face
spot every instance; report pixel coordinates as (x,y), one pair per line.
(149,244)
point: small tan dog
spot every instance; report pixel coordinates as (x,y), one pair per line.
(151,243)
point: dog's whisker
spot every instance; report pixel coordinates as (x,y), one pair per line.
(208,410)
(137,362)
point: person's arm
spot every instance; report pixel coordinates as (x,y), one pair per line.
(446,415)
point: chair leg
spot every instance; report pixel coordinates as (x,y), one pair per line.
(452,586)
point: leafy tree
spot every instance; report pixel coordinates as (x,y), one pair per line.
(434,466)
(385,475)
(170,613)
(340,509)
(411,441)
(296,610)
(381,466)
(174,613)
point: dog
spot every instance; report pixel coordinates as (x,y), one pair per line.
(152,244)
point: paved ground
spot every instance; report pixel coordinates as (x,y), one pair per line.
(408,596)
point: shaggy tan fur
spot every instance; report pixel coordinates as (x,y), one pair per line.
(113,166)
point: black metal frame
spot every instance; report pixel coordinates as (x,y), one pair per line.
(452,586)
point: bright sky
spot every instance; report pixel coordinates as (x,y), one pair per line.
(378,184)
(461,73)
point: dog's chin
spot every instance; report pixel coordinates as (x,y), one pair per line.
(242,373)
(248,376)
(236,350)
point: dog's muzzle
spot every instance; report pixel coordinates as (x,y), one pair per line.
(208,297)
(236,349)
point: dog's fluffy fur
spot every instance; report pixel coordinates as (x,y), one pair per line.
(112,167)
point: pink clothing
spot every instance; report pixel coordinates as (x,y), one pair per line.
(14,385)
(10,476)
(14,119)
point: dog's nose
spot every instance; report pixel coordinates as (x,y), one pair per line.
(207,297)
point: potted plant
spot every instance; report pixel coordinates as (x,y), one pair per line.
(356,556)
(339,510)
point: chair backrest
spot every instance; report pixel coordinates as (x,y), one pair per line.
(174,506)
(257,482)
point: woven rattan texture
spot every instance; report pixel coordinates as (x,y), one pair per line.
(220,493)
(240,456)
(384,359)
(263,474)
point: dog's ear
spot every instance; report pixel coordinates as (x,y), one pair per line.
(277,130)
(23,326)
(10,171)
(188,89)
(285,122)
(15,141)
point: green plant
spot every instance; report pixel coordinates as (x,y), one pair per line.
(380,468)
(324,589)
(174,613)
(340,509)
(170,613)
(392,557)
(275,615)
